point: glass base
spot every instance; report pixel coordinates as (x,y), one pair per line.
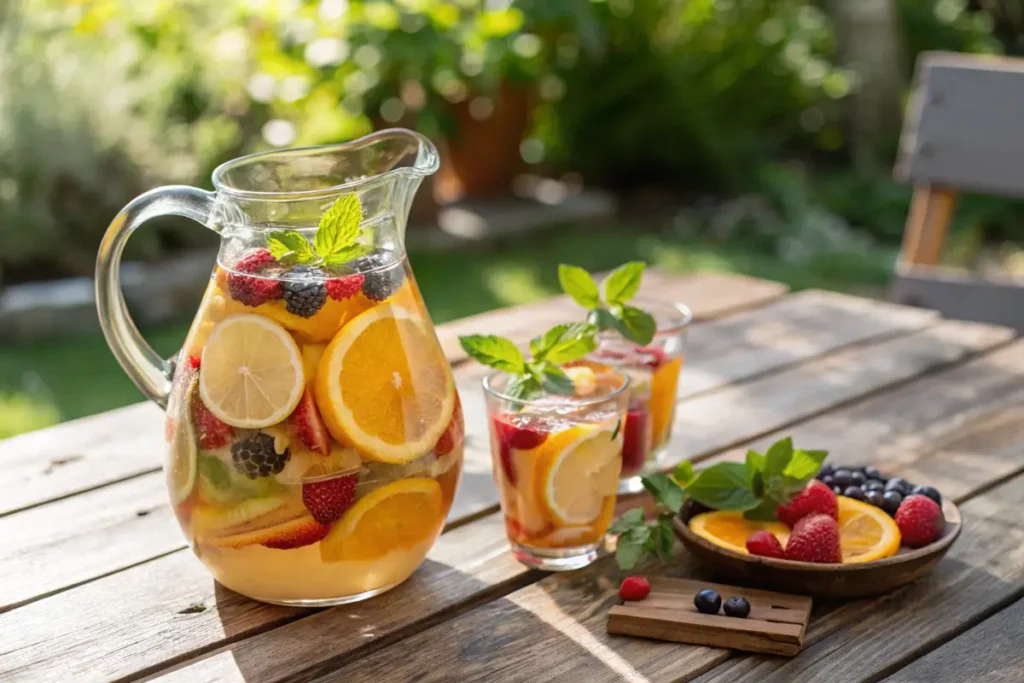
(329,602)
(556,559)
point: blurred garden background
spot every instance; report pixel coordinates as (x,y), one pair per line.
(752,136)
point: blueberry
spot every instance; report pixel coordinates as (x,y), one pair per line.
(707,601)
(828,480)
(873,473)
(837,490)
(898,485)
(855,492)
(857,478)
(891,501)
(736,607)
(874,485)
(929,491)
(842,477)
(874,497)
(826,470)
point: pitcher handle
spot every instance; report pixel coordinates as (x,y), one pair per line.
(150,373)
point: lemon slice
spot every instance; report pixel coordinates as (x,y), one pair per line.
(181,468)
(866,533)
(252,372)
(580,469)
(383,386)
(396,517)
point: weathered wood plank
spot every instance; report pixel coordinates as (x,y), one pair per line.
(991,652)
(555,629)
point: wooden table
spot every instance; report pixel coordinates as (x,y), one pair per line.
(96,582)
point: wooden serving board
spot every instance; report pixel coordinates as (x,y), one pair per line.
(776,623)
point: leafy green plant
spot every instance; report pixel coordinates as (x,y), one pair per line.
(608,303)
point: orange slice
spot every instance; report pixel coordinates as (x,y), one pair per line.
(396,517)
(866,533)
(384,387)
(663,398)
(579,470)
(730,530)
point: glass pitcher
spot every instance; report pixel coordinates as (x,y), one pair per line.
(314,434)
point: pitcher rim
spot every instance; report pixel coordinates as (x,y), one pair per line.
(427,163)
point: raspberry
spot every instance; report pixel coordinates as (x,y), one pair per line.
(211,431)
(341,288)
(305,293)
(817,498)
(815,538)
(634,588)
(920,520)
(519,436)
(765,544)
(253,291)
(255,456)
(194,362)
(328,500)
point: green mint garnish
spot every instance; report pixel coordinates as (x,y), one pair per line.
(756,486)
(215,471)
(335,243)
(607,304)
(542,373)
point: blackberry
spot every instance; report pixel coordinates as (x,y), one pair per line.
(255,456)
(736,607)
(383,279)
(305,292)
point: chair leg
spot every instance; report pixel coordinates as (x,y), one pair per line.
(931,212)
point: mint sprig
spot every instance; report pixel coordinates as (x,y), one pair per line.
(336,241)
(756,486)
(608,303)
(541,373)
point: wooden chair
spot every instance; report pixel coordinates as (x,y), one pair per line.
(965,131)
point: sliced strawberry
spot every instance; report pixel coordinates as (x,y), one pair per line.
(296,534)
(453,433)
(328,500)
(515,431)
(308,427)
(212,433)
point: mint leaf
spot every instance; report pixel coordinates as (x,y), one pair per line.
(683,473)
(579,285)
(777,457)
(566,343)
(214,471)
(523,388)
(496,352)
(340,258)
(803,465)
(603,319)
(764,512)
(339,226)
(630,546)
(628,520)
(634,324)
(290,245)
(622,284)
(555,381)
(662,538)
(665,491)
(724,486)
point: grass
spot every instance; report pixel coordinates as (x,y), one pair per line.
(45,382)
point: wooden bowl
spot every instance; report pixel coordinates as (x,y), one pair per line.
(820,580)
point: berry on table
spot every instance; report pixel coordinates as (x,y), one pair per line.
(874,497)
(857,478)
(634,588)
(765,544)
(194,362)
(828,480)
(246,287)
(842,477)
(920,520)
(899,485)
(707,601)
(736,607)
(929,491)
(255,456)
(329,499)
(305,292)
(815,498)
(891,502)
(873,473)
(815,539)
(345,287)
(855,492)
(874,485)
(825,471)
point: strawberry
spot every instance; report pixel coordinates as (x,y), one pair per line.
(817,498)
(519,436)
(815,538)
(194,362)
(254,291)
(634,588)
(453,433)
(296,534)
(920,520)
(308,427)
(341,288)
(212,433)
(329,499)
(765,544)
